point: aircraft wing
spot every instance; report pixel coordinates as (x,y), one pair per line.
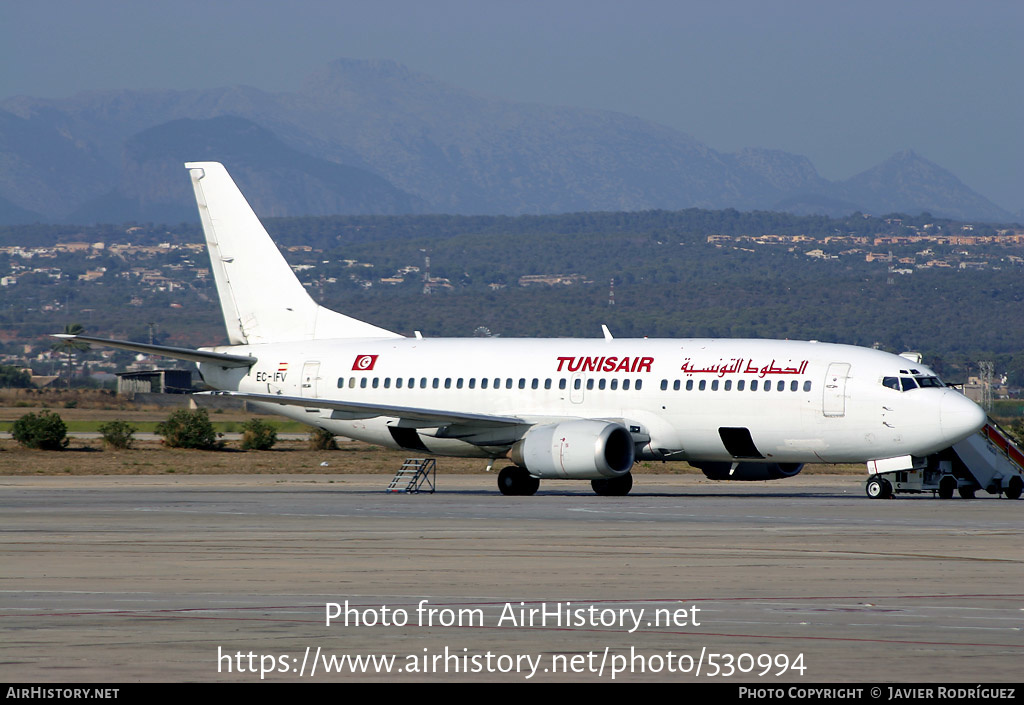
(222,359)
(360,409)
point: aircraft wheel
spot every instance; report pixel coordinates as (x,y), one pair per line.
(516,481)
(614,486)
(966,492)
(878,488)
(1014,488)
(947,485)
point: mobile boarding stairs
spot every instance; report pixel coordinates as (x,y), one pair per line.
(988,460)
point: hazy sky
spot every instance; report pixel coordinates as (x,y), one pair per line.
(844,83)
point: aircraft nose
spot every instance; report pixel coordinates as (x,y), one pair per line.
(959,417)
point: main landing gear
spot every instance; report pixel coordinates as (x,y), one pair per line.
(516,481)
(614,486)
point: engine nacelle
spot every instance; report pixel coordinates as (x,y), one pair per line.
(575,450)
(749,471)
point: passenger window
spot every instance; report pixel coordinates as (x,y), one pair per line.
(739,385)
(577,383)
(728,384)
(689,385)
(753,385)
(703,383)
(639,384)
(675,386)
(508,383)
(458,383)
(447,382)
(398,382)
(590,383)
(387,383)
(664,384)
(547,383)
(351,382)
(625,384)
(483,383)
(615,384)
(362,383)
(535,383)
(436,383)
(602,383)
(561,383)
(522,383)
(714,385)
(794,385)
(423,382)
(781,385)
(807,386)
(891,383)
(412,383)
(472,382)
(376,382)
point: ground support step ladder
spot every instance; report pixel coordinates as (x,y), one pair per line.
(987,460)
(994,460)
(414,474)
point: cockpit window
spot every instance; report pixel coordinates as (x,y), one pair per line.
(905,384)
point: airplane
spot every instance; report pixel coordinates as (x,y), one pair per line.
(557,408)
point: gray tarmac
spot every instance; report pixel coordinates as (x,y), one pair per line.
(217,578)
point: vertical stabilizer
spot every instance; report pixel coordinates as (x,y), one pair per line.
(260,296)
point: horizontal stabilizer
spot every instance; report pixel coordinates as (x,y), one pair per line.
(222,359)
(371,410)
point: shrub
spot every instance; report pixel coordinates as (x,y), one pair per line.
(45,430)
(322,439)
(188,428)
(118,434)
(258,435)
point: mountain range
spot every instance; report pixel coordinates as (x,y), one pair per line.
(373,137)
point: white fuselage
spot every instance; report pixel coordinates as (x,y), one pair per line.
(801,402)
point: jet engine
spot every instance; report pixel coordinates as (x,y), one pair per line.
(749,471)
(575,450)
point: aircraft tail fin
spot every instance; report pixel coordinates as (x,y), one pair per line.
(261,298)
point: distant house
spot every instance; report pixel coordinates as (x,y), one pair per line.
(154,382)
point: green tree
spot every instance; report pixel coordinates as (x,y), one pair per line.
(258,435)
(45,431)
(11,376)
(322,439)
(118,434)
(189,428)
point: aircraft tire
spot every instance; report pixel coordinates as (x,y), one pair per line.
(1014,488)
(947,485)
(878,488)
(515,481)
(614,486)
(966,492)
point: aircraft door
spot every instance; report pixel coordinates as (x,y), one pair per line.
(576,384)
(310,379)
(834,397)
